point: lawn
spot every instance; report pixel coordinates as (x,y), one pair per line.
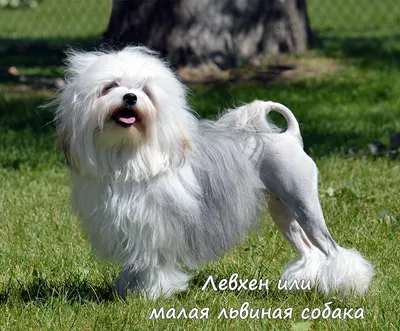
(348,96)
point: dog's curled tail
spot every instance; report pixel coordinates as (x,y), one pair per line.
(253,116)
(292,124)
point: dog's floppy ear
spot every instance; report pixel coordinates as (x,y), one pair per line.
(186,141)
(63,144)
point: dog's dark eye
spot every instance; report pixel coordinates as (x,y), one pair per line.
(108,87)
(147,92)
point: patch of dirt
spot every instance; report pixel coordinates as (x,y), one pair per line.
(279,69)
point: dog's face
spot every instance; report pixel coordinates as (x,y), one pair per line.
(125,103)
(127,114)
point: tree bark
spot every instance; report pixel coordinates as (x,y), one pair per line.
(225,32)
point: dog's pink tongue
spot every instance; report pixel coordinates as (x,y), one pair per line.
(127,120)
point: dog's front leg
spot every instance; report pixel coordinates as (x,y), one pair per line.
(152,282)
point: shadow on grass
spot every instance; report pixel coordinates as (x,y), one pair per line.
(40,52)
(41,60)
(36,64)
(372,51)
(25,112)
(72,290)
(27,133)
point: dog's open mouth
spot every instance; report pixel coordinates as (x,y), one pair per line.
(125,117)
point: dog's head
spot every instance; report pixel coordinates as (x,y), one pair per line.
(122,114)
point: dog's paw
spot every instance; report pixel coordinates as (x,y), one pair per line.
(304,269)
(347,271)
(152,283)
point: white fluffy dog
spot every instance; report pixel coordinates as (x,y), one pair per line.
(157,188)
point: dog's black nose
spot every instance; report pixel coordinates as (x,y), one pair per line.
(130,99)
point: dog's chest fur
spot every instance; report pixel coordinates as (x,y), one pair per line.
(128,221)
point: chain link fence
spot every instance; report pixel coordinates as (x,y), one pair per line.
(53,19)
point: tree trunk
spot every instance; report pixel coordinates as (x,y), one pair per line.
(224,32)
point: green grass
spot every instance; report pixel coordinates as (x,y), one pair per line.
(50,279)
(357,18)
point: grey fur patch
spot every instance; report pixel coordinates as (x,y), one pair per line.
(232,195)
